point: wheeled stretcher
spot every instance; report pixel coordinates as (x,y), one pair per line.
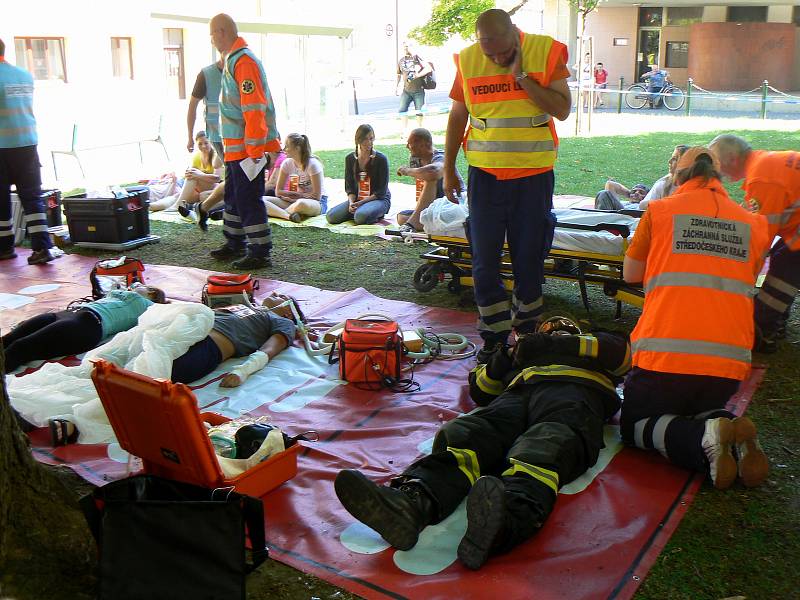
(588,248)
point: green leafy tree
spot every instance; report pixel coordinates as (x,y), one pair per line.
(449,18)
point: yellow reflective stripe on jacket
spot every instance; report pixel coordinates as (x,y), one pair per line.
(626,363)
(562,371)
(587,346)
(546,476)
(485,383)
(496,100)
(467,462)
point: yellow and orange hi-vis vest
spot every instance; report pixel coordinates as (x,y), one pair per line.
(507,128)
(705,253)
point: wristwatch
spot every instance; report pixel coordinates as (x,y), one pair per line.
(521,76)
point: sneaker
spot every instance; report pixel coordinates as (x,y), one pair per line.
(40,257)
(8,254)
(397,514)
(216,214)
(202,219)
(225,251)
(408,228)
(486,522)
(717,441)
(252,262)
(295,217)
(185,212)
(753,463)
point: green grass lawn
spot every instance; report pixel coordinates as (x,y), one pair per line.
(734,543)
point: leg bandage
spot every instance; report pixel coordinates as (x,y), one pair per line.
(255,362)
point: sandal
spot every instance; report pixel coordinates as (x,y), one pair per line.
(60,432)
(408,228)
(202,218)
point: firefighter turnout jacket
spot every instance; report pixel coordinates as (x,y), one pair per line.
(598,360)
(703,253)
(247,113)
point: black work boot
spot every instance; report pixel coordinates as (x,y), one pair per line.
(489,348)
(397,514)
(487,522)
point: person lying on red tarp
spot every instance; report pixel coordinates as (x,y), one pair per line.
(540,427)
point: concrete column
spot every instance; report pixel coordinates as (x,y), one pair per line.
(779,13)
(715,14)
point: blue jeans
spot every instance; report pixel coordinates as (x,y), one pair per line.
(406,97)
(366,214)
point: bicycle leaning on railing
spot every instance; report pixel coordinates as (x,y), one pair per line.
(671,95)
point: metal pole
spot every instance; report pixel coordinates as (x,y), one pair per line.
(619,96)
(396,33)
(764,90)
(355,98)
(689,85)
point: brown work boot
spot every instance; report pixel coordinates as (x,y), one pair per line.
(397,514)
(753,463)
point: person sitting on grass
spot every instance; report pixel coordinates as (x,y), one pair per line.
(305,174)
(79,328)
(426,166)
(199,180)
(366,182)
(238,331)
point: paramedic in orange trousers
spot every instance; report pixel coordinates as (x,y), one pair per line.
(247,119)
(701,249)
(508,87)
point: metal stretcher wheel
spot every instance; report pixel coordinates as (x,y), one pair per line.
(454,285)
(426,277)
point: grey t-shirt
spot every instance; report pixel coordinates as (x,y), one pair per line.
(249,329)
(438,157)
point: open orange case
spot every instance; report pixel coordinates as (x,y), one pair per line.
(159,422)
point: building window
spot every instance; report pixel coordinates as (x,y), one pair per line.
(677,55)
(121,57)
(681,16)
(651,16)
(747,14)
(620,41)
(42,57)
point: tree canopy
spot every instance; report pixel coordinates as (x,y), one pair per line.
(449,18)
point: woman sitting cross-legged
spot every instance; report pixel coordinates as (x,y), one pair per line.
(366,182)
(306,194)
(200,178)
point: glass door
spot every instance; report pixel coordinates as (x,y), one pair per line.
(648,54)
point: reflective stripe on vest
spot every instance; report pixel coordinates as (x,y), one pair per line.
(700,280)
(17,123)
(692,347)
(510,123)
(213,77)
(502,114)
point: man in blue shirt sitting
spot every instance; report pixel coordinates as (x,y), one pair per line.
(657,80)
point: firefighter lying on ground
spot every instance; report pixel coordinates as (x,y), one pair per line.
(540,426)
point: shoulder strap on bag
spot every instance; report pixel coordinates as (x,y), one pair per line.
(253,512)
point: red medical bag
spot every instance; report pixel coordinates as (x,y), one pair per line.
(103,278)
(370,353)
(225,290)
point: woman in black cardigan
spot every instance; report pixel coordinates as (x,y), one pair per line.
(366,181)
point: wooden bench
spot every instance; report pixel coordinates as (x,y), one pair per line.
(76,149)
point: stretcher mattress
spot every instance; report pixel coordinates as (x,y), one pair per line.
(597,242)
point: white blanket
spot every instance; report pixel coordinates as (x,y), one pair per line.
(164,332)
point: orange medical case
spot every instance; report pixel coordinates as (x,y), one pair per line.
(159,422)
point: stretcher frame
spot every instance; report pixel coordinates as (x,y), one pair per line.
(451,256)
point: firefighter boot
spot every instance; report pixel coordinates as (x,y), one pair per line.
(397,514)
(487,522)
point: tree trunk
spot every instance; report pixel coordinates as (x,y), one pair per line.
(46,550)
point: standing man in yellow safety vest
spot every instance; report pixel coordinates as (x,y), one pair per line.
(508,86)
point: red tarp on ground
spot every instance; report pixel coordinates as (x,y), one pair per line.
(599,542)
